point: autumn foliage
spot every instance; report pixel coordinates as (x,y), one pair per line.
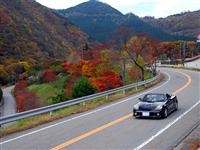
(134,74)
(100,77)
(25,99)
(107,79)
(49,75)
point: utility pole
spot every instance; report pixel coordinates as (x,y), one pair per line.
(182,50)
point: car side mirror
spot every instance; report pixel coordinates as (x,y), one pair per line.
(168,96)
(140,99)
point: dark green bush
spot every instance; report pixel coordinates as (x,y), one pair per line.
(82,88)
(60,97)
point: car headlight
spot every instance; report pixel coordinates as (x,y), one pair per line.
(159,107)
(136,106)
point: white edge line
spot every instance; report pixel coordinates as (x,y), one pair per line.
(83,115)
(166,127)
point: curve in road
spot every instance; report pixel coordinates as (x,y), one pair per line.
(85,135)
(123,133)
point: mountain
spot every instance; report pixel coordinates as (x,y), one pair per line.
(187,23)
(97,19)
(139,26)
(100,21)
(29,30)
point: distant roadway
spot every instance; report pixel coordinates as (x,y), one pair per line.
(9,106)
(112,126)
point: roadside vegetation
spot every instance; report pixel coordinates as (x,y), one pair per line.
(82,107)
(86,72)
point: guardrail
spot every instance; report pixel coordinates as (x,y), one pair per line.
(50,108)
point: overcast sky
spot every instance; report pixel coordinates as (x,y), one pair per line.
(156,8)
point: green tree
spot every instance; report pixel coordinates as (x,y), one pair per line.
(59,97)
(4,76)
(82,88)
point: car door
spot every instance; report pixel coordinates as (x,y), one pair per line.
(170,104)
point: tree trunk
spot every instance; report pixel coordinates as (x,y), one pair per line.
(140,67)
(123,70)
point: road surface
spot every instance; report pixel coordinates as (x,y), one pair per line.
(9,105)
(113,127)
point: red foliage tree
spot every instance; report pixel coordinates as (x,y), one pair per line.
(49,75)
(107,79)
(25,99)
(134,74)
(167,48)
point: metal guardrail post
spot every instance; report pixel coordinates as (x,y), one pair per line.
(136,88)
(50,113)
(49,109)
(107,97)
(124,92)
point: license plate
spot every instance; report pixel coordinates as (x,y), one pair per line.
(145,114)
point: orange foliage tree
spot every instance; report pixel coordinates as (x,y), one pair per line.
(107,79)
(25,99)
(141,47)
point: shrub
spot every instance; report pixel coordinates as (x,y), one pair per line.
(60,97)
(3,76)
(107,80)
(25,99)
(49,75)
(82,88)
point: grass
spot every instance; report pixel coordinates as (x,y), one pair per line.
(148,75)
(31,122)
(47,90)
(44,90)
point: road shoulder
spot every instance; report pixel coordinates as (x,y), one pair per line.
(191,141)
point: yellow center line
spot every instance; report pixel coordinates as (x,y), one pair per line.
(189,80)
(76,139)
(89,133)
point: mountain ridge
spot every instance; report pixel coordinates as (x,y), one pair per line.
(94,16)
(176,24)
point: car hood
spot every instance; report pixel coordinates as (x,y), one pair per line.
(148,106)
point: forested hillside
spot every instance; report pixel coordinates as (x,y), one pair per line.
(30,31)
(187,23)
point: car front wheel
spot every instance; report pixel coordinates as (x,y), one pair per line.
(165,113)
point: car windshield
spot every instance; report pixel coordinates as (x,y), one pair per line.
(154,98)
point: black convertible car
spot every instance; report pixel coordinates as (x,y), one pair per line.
(155,105)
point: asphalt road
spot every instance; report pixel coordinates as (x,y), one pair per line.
(113,127)
(9,105)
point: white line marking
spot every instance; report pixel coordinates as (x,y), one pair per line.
(86,114)
(166,127)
